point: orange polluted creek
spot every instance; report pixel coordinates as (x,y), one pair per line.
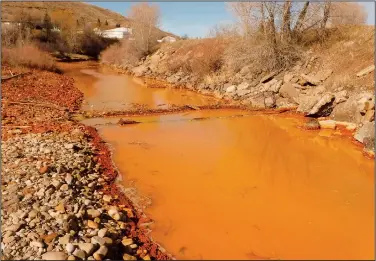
(239,188)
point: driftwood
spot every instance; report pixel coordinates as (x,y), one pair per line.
(13,76)
(35,104)
(18,127)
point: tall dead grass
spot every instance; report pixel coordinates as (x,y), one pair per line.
(28,55)
(121,54)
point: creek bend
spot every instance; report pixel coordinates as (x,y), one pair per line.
(255,187)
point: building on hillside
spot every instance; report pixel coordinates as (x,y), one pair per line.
(167,39)
(116,33)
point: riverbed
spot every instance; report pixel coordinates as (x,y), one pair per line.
(229,184)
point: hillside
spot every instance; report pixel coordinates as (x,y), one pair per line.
(77,11)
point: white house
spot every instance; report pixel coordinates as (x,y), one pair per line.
(167,39)
(118,33)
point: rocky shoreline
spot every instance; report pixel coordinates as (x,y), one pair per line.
(294,90)
(59,196)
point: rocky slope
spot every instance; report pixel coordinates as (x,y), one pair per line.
(314,86)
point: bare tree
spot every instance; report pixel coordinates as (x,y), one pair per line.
(145,19)
(347,13)
(286,23)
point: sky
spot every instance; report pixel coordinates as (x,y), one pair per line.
(197,18)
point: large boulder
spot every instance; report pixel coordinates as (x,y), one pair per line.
(340,96)
(287,90)
(323,75)
(270,101)
(284,103)
(323,107)
(231,89)
(139,70)
(310,79)
(242,86)
(241,93)
(354,108)
(257,101)
(367,131)
(306,103)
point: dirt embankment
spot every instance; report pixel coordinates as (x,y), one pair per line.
(59,198)
(333,80)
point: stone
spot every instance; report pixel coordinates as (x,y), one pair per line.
(60,207)
(340,96)
(102,232)
(127,241)
(310,79)
(37,244)
(312,124)
(32,214)
(68,146)
(366,131)
(68,179)
(139,70)
(323,75)
(369,143)
(43,169)
(49,238)
(79,253)
(269,102)
(328,124)
(129,257)
(54,256)
(257,101)
(242,86)
(64,187)
(64,239)
(275,87)
(98,240)
(287,77)
(87,247)
(268,77)
(287,90)
(306,103)
(147,257)
(92,224)
(231,89)
(107,198)
(369,116)
(71,258)
(365,71)
(93,213)
(242,92)
(113,212)
(70,248)
(102,251)
(323,107)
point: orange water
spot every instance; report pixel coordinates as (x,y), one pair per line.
(252,187)
(106,90)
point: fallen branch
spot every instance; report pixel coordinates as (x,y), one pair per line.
(35,104)
(13,76)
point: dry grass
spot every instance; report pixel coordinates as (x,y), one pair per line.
(28,55)
(200,57)
(122,54)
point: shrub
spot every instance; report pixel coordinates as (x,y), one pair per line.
(123,54)
(28,55)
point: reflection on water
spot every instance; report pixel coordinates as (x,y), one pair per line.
(104,90)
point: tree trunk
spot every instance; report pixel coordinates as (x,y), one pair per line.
(326,14)
(286,29)
(263,26)
(299,22)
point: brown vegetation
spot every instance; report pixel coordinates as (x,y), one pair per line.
(28,55)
